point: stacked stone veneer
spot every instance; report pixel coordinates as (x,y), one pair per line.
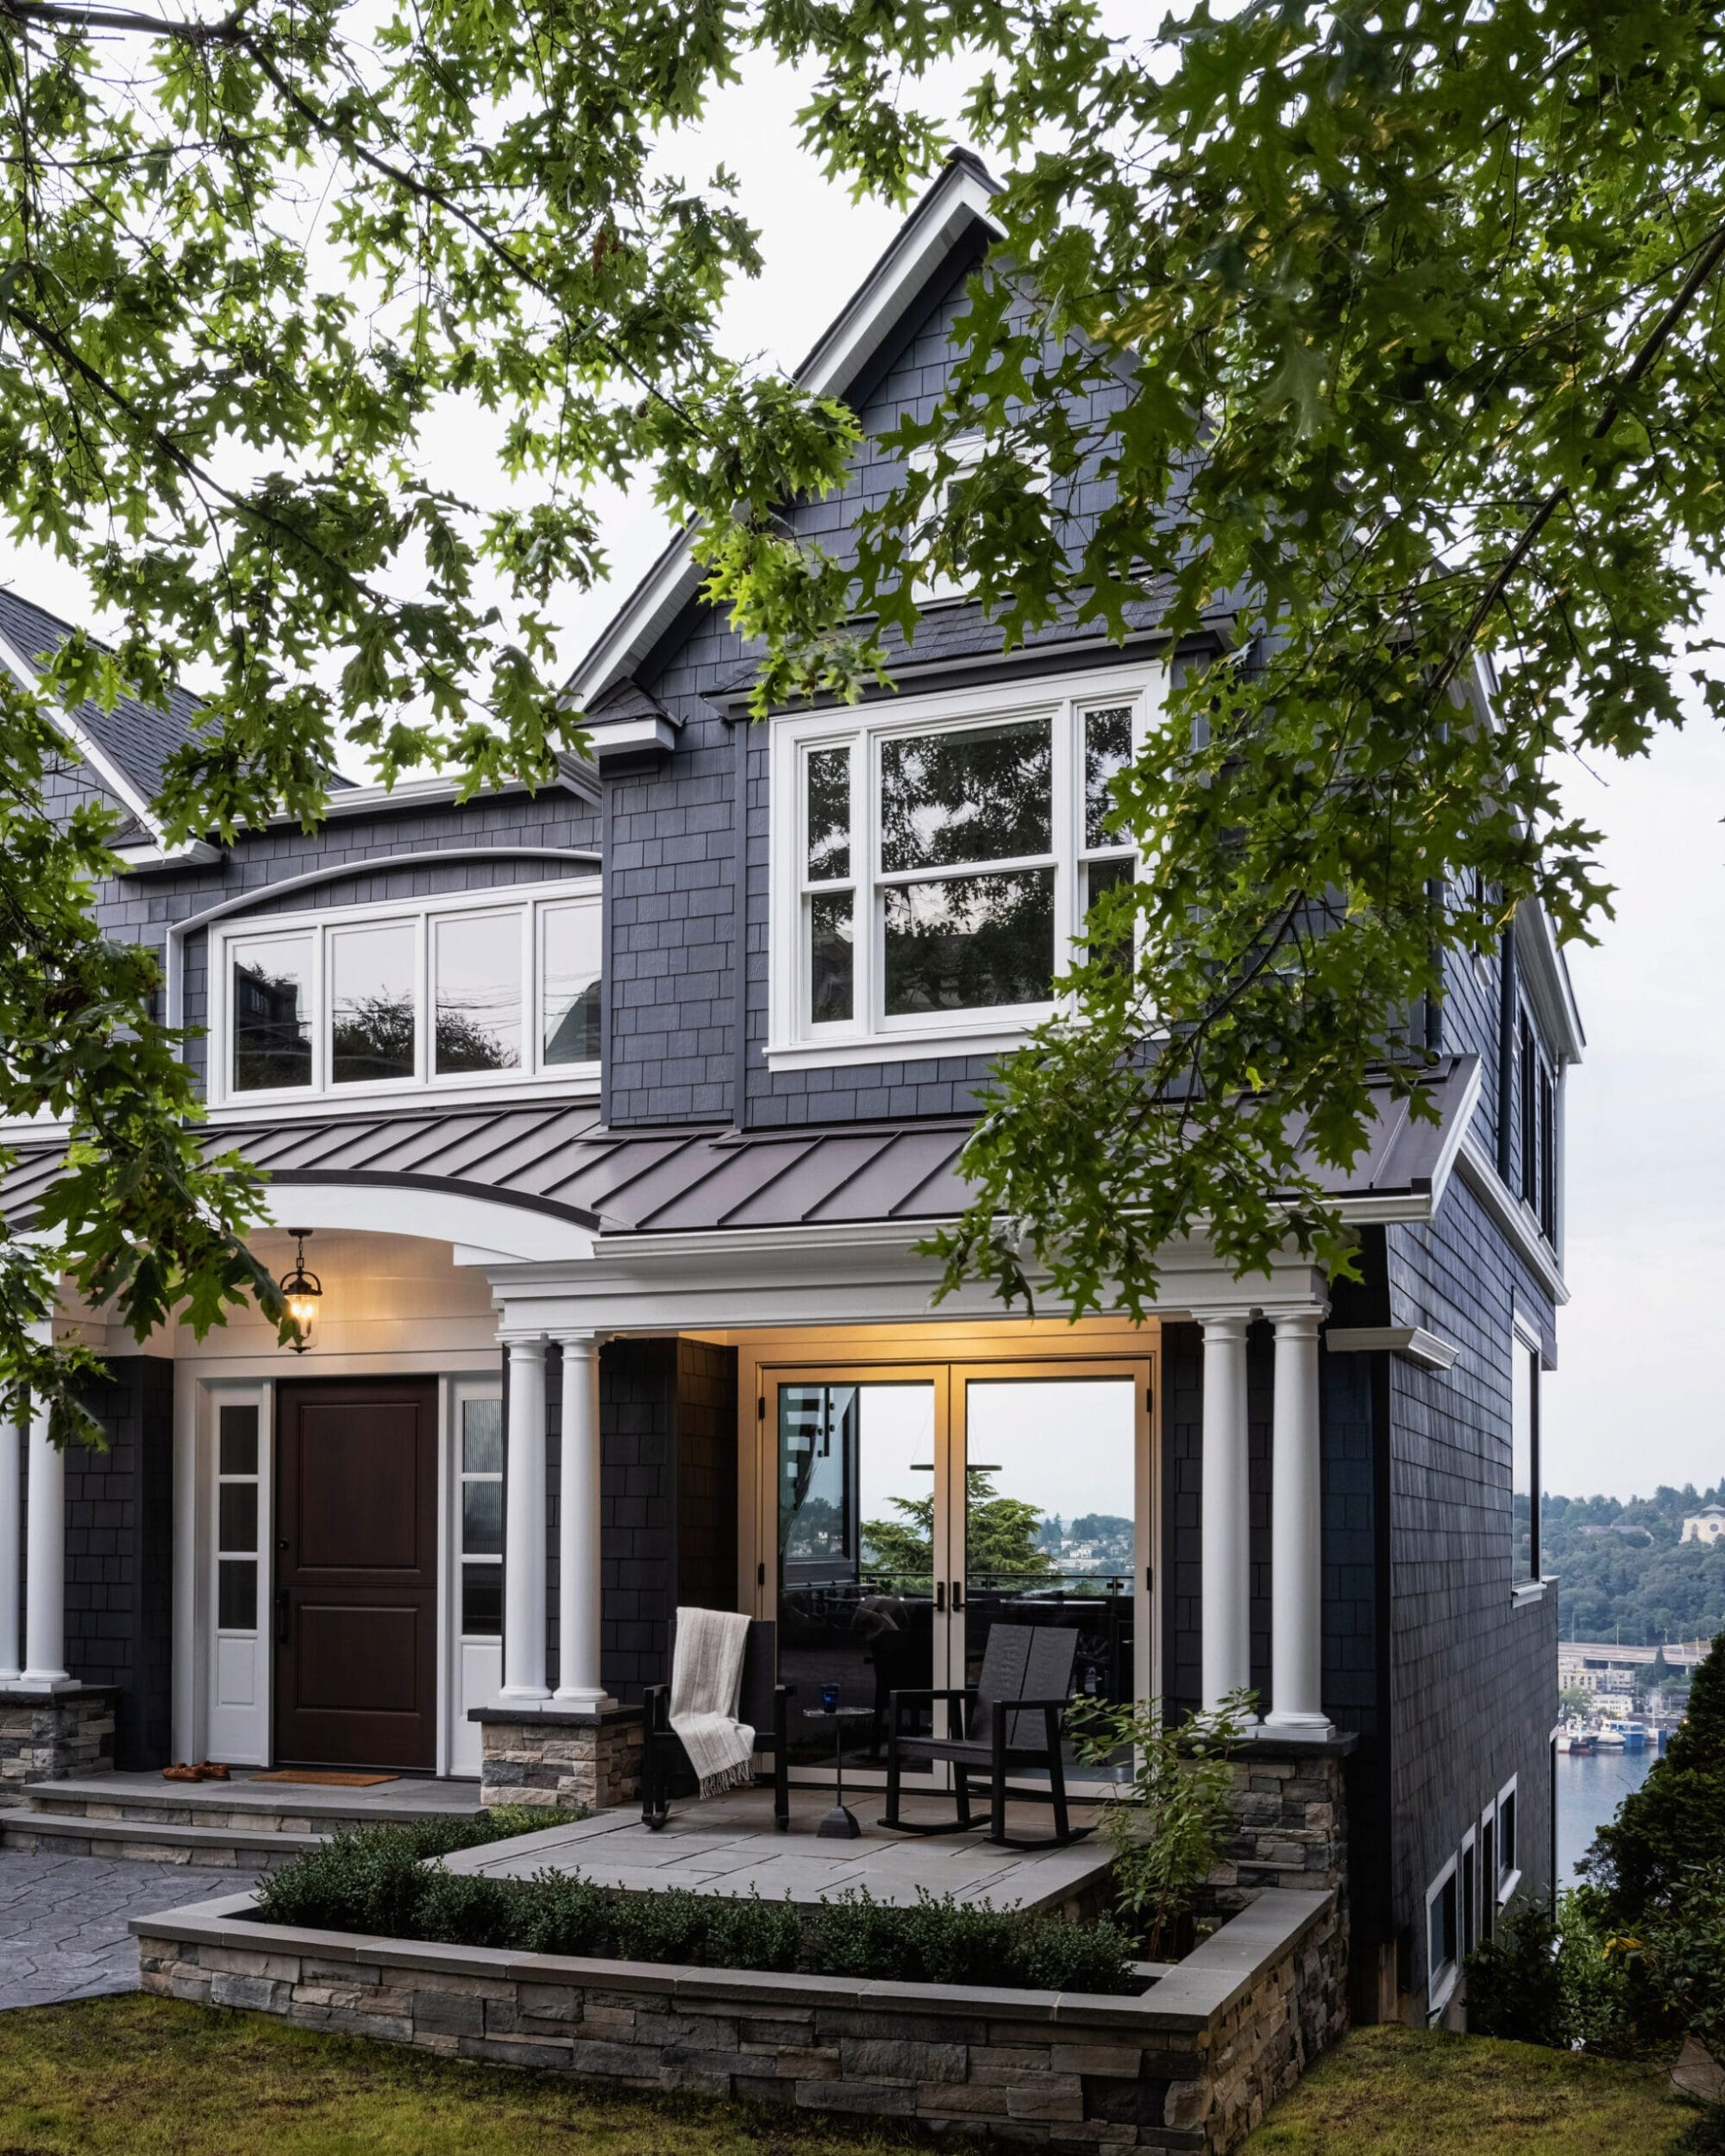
(561,1759)
(1191,2065)
(46,1737)
(1290,1822)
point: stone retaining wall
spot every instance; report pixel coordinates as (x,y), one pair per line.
(1190,2066)
(47,1736)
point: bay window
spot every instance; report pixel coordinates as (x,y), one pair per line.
(938,865)
(501,987)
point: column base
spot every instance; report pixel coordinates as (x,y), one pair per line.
(523,1695)
(1316,1727)
(577,1701)
(559,1758)
(48,1735)
(45,1683)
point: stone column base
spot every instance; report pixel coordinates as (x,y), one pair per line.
(51,1736)
(558,1758)
(1289,1807)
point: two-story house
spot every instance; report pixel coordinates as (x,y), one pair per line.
(609,1118)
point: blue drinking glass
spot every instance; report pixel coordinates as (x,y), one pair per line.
(829,1696)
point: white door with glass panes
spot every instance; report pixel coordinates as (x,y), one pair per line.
(233,1442)
(920,1507)
(476,1570)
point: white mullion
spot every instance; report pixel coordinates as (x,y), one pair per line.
(1065,816)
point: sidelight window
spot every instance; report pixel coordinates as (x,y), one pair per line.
(445,994)
(481,1518)
(237,1501)
(941,869)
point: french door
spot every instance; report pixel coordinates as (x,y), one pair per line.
(920,1505)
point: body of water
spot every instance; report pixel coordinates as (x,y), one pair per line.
(1590,1787)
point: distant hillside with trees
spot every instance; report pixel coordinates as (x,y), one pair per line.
(1625,1565)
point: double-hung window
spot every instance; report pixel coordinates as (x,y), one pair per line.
(495,987)
(937,865)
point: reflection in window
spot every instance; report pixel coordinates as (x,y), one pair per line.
(571,961)
(271,1005)
(832,957)
(478,986)
(829,815)
(237,1501)
(980,793)
(481,1512)
(969,943)
(1107,751)
(1524,1470)
(372,1029)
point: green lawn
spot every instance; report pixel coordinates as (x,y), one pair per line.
(1396,2092)
(152,2079)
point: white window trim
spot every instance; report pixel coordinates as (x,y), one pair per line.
(1469,1923)
(793,1043)
(1509,1879)
(531,902)
(1440,1982)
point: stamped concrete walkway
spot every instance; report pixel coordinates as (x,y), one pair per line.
(63,1920)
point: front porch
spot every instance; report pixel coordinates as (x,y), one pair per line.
(732,1419)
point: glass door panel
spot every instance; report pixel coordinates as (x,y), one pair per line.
(1051,1501)
(862,1544)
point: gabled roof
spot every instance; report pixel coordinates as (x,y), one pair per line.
(128,746)
(953,214)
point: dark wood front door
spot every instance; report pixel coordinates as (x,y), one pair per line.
(356,1574)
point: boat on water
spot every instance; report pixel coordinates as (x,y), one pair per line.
(1608,1737)
(1579,1741)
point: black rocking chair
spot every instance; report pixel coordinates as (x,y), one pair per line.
(1011,1720)
(760,1703)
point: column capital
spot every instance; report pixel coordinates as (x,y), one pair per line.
(1293,1318)
(1223,1324)
(530,1346)
(579,1343)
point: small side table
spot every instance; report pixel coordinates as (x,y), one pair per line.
(840,1823)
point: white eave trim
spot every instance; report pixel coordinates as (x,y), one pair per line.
(962,195)
(1513,1220)
(118,782)
(1548,981)
(1427,1350)
(629,737)
(574,774)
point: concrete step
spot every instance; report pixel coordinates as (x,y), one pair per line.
(155,1840)
(253,1809)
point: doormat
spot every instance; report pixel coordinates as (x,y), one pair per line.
(320,1777)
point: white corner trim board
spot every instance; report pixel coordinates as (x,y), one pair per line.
(1427,1350)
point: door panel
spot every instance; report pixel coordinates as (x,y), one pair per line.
(356,1574)
(1050,1524)
(862,1553)
(920,1505)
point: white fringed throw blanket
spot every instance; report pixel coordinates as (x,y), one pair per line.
(706,1683)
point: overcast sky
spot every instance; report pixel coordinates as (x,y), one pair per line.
(1634,1401)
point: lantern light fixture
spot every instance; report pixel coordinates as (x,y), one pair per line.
(302,1290)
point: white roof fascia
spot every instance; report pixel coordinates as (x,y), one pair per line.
(116,781)
(1548,981)
(574,774)
(962,195)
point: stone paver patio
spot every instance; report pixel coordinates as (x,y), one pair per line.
(727,1846)
(63,1920)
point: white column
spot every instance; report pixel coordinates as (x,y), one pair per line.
(579,1682)
(524,1525)
(1226,1510)
(1296,1597)
(11,1524)
(44,1576)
